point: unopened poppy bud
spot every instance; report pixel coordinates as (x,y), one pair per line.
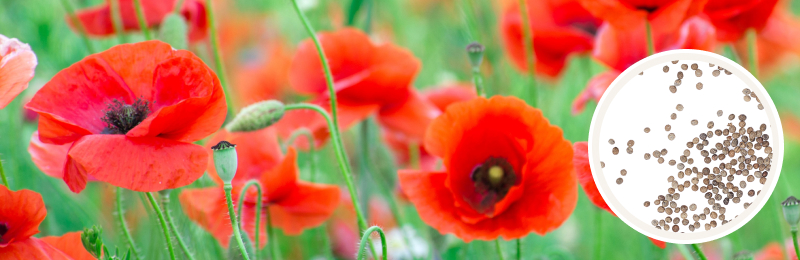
(791,211)
(257,116)
(225,160)
(92,240)
(174,31)
(475,52)
(743,255)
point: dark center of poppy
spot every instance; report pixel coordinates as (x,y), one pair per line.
(3,231)
(587,27)
(493,179)
(121,118)
(648,9)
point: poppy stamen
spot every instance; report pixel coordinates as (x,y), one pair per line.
(3,231)
(493,179)
(121,118)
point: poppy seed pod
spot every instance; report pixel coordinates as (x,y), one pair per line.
(791,211)
(225,161)
(257,116)
(92,240)
(475,52)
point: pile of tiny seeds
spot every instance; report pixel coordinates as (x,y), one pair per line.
(734,149)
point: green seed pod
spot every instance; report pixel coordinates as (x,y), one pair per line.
(225,160)
(791,211)
(174,31)
(475,52)
(257,116)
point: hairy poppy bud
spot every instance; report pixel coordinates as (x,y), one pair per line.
(791,211)
(257,116)
(92,240)
(475,52)
(225,160)
(174,31)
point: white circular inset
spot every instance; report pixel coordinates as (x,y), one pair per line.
(672,107)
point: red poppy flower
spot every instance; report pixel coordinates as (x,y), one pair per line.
(17,62)
(367,76)
(263,77)
(560,28)
(98,21)
(295,205)
(775,42)
(502,156)
(665,15)
(594,90)
(21,213)
(733,18)
(584,172)
(133,113)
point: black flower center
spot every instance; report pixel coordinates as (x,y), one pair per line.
(3,231)
(493,179)
(648,9)
(121,118)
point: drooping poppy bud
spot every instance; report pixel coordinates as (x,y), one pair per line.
(791,211)
(257,116)
(174,31)
(225,161)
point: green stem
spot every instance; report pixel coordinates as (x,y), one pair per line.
(124,225)
(519,248)
(116,18)
(364,238)
(137,4)
(683,250)
(333,124)
(598,233)
(752,51)
(218,64)
(311,146)
(234,223)
(273,241)
(161,219)
(499,249)
(352,11)
(477,79)
(3,175)
(171,223)
(699,252)
(259,204)
(527,41)
(794,239)
(82,31)
(651,49)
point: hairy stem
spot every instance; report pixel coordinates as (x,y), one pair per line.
(168,215)
(259,204)
(365,237)
(234,223)
(124,225)
(140,16)
(163,222)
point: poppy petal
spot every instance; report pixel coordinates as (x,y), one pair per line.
(196,17)
(50,158)
(207,207)
(733,19)
(595,88)
(348,52)
(69,244)
(658,243)
(21,211)
(137,163)
(307,206)
(406,118)
(32,249)
(281,180)
(584,172)
(257,153)
(615,12)
(443,96)
(17,63)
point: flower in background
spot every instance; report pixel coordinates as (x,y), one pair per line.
(775,41)
(21,213)
(259,72)
(733,18)
(432,102)
(98,20)
(560,28)
(619,49)
(133,113)
(367,77)
(502,157)
(666,15)
(583,169)
(294,205)
(17,63)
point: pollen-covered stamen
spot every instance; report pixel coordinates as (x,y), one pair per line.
(121,118)
(493,179)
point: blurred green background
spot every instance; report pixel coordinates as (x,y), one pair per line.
(436,32)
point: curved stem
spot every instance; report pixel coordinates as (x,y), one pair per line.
(163,222)
(171,223)
(116,19)
(598,233)
(124,225)
(273,241)
(137,4)
(527,41)
(752,51)
(311,146)
(82,31)
(794,239)
(499,249)
(259,203)
(364,240)
(234,223)
(218,64)
(651,49)
(699,252)
(3,175)
(333,122)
